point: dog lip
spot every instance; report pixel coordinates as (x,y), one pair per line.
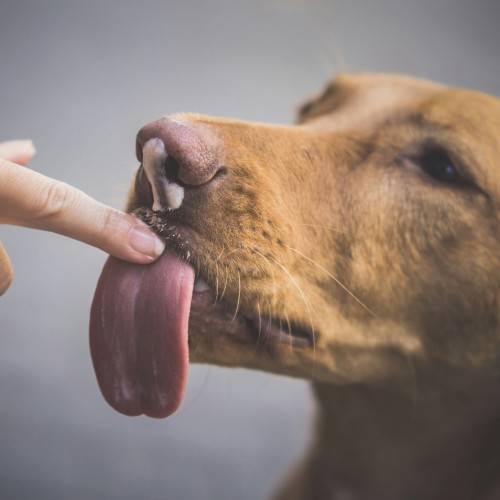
(262,329)
(279,331)
(200,285)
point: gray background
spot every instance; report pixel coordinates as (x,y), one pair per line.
(80,78)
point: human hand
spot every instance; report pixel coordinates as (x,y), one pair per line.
(30,199)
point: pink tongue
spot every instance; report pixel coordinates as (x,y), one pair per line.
(138,334)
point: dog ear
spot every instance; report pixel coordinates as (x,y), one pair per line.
(304,109)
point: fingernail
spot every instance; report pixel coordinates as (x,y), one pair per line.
(144,241)
(29,144)
(17,147)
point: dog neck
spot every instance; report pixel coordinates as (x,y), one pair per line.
(373,443)
(417,442)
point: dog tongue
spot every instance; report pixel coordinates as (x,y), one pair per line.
(138,334)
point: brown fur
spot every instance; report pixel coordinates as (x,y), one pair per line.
(332,228)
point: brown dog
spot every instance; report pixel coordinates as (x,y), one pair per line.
(359,248)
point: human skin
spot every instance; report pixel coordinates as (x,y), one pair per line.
(32,200)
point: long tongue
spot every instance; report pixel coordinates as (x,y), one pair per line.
(138,334)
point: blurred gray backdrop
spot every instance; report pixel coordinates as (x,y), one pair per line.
(80,78)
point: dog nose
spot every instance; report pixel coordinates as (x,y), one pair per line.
(175,155)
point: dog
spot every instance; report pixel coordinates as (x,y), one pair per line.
(358,248)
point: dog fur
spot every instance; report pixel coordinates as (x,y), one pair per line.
(364,243)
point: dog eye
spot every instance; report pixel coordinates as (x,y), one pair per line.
(439,166)
(435,163)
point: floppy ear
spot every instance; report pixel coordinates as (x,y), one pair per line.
(5,270)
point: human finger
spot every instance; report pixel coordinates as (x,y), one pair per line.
(33,200)
(19,151)
(5,270)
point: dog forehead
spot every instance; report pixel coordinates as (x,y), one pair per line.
(385,84)
(367,102)
(364,100)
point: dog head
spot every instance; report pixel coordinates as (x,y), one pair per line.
(335,249)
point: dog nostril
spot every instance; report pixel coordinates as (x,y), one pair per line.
(142,188)
(166,193)
(171,169)
(191,146)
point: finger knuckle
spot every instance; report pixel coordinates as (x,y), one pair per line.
(54,200)
(109,223)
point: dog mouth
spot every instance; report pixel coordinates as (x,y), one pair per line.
(142,322)
(253,325)
(141,315)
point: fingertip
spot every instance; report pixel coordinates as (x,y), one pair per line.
(17,151)
(146,243)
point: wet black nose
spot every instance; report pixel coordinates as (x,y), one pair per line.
(191,149)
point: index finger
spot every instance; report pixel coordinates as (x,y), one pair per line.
(33,200)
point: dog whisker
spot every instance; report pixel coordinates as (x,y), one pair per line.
(302,295)
(216,282)
(333,278)
(219,256)
(289,329)
(269,318)
(260,323)
(325,227)
(239,297)
(201,389)
(306,303)
(225,283)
